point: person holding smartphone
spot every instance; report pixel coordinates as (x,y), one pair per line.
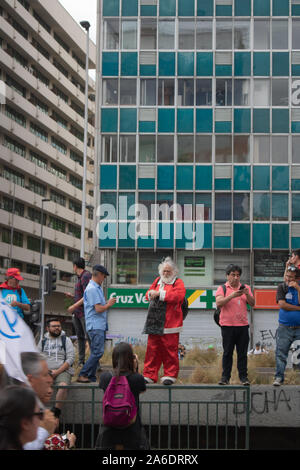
(234,323)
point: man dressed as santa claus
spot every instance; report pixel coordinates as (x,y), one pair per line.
(163,324)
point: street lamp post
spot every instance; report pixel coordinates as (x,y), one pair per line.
(86,25)
(41,248)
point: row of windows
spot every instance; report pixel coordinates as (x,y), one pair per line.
(258,206)
(42,162)
(201,64)
(33,243)
(196,92)
(199,8)
(220,34)
(40,189)
(200,120)
(200,148)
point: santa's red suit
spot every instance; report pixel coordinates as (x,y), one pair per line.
(163,348)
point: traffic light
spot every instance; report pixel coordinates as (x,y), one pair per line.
(35,308)
(50,279)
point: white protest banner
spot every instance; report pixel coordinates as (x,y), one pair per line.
(15,337)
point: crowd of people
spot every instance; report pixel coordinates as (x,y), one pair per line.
(25,420)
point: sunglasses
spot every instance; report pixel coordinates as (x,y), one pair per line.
(291,268)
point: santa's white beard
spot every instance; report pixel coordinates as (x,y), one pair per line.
(167,279)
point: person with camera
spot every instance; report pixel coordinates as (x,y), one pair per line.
(234,323)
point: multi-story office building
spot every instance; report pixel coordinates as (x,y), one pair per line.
(42,73)
(200,107)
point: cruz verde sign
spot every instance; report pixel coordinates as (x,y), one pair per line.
(135,298)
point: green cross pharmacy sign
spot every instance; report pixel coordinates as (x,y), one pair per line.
(135,298)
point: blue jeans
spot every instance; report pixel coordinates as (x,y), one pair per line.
(285,336)
(97,341)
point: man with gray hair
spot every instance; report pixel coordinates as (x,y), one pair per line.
(164,323)
(36,370)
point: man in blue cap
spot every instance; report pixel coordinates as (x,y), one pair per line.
(95,308)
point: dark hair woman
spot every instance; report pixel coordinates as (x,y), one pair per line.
(132,437)
(19,417)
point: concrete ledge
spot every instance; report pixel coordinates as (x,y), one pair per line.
(196,404)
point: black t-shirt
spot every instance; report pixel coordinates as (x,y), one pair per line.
(129,437)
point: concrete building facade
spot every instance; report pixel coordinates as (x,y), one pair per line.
(42,73)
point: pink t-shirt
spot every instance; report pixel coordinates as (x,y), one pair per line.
(234,313)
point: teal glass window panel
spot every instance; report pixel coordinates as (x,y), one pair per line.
(261,236)
(261,120)
(223,206)
(295,183)
(281,64)
(204,64)
(204,120)
(186,7)
(167,7)
(280,121)
(146,183)
(184,177)
(165,177)
(203,205)
(111,7)
(241,235)
(280,7)
(166,65)
(280,236)
(222,184)
(222,242)
(223,70)
(165,232)
(108,204)
(126,235)
(295,240)
(223,10)
(147,126)
(109,120)
(127,177)
(129,7)
(261,206)
(223,127)
(295,127)
(185,120)
(242,177)
(296,207)
(280,178)
(107,234)
(110,64)
(129,63)
(166,120)
(242,8)
(148,10)
(296,69)
(126,206)
(186,62)
(295,10)
(147,70)
(242,64)
(128,120)
(261,178)
(184,234)
(261,64)
(205,7)
(242,120)
(145,242)
(261,7)
(203,238)
(108,177)
(280,206)
(203,177)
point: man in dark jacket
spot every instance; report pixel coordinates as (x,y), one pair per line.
(77,309)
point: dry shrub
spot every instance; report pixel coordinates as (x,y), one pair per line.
(197,356)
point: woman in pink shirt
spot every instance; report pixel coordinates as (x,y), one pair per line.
(234,323)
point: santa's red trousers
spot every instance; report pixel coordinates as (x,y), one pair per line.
(162,350)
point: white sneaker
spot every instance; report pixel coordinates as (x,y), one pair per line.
(277,382)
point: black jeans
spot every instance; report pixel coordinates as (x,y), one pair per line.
(235,336)
(79,326)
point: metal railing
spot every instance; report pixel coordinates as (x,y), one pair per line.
(176,417)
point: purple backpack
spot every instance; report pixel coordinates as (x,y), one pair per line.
(119,406)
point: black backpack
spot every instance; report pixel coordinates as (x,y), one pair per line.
(218,310)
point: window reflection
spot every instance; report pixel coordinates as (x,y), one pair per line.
(186,34)
(224,92)
(185,148)
(279,149)
(261,206)
(166,34)
(203,153)
(261,34)
(129,34)
(223,149)
(242,34)
(148,34)
(166,92)
(185,92)
(241,148)
(280,37)
(165,148)
(148,92)
(241,205)
(111,34)
(223,34)
(203,92)
(261,92)
(204,34)
(261,149)
(110,91)
(223,206)
(127,91)
(280,92)
(241,92)
(147,148)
